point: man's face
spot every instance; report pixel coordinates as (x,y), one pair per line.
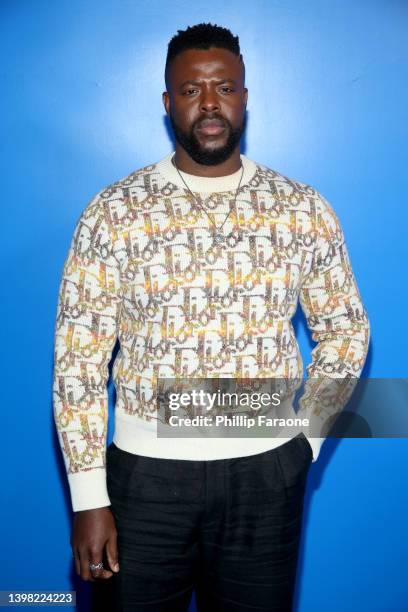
(206,102)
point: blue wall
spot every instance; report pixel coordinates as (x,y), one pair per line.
(81,107)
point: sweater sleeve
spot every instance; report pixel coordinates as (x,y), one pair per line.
(86,329)
(338,322)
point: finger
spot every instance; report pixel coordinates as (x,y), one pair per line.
(86,559)
(112,553)
(75,555)
(105,574)
(100,573)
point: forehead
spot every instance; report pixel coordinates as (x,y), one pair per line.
(212,63)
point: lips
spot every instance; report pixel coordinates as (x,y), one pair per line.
(211,127)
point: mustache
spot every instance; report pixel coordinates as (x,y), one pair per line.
(213,119)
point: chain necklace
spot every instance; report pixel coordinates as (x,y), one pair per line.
(219,236)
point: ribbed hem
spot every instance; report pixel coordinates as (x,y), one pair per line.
(136,436)
(89,489)
(204,184)
(316,444)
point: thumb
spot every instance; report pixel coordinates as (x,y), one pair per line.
(112,553)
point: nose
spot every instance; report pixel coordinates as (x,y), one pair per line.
(209,101)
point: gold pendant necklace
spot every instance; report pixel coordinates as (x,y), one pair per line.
(218,237)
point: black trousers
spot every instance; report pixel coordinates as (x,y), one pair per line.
(228,529)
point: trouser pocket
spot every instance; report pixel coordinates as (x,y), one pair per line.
(294,458)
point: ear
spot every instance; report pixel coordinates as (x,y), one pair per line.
(166,101)
(245,96)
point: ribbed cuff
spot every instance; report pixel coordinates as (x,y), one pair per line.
(291,432)
(316,444)
(88,489)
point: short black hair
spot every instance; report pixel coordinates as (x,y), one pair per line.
(201,36)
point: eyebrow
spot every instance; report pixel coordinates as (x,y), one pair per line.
(195,82)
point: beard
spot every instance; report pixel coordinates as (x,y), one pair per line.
(206,155)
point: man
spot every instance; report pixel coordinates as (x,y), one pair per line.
(197,264)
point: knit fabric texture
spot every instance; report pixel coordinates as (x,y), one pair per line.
(143,269)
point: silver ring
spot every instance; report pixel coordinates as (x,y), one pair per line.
(96,566)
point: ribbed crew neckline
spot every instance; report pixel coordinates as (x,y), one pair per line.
(204,184)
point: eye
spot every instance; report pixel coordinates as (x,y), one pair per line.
(226,89)
(188,92)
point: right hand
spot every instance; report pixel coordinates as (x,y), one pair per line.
(92,531)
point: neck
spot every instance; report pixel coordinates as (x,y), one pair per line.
(186,164)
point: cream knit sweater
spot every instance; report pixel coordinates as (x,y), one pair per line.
(143,268)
